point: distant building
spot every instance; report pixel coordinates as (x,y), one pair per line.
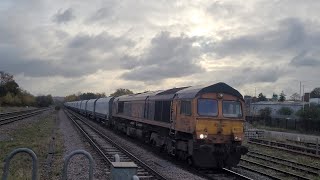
(306,97)
(315,100)
(274,106)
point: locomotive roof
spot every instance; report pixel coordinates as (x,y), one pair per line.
(182,92)
(139,96)
(220,87)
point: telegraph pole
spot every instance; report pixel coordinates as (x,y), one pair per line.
(300,91)
(303,98)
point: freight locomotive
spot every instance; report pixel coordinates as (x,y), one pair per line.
(201,124)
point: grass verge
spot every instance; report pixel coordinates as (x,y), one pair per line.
(36,136)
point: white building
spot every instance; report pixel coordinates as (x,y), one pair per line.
(274,106)
(314,100)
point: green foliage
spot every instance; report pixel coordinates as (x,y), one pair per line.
(285,111)
(265,112)
(312,112)
(71,97)
(11,94)
(120,92)
(27,99)
(90,95)
(44,101)
(84,96)
(282,97)
(275,97)
(7,84)
(8,99)
(261,97)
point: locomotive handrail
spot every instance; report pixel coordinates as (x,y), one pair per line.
(69,156)
(12,154)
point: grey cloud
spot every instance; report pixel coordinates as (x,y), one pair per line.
(79,56)
(105,13)
(289,37)
(305,59)
(64,16)
(103,41)
(248,75)
(166,57)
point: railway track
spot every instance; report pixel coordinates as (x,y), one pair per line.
(312,170)
(7,118)
(108,148)
(209,174)
(2,115)
(297,149)
(223,174)
(281,167)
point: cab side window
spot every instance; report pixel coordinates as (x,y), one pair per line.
(185,108)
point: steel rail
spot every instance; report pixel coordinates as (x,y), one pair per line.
(152,172)
(259,172)
(285,149)
(12,119)
(15,112)
(275,169)
(221,173)
(237,174)
(284,162)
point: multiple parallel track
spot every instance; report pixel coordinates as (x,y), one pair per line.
(297,149)
(108,148)
(308,171)
(103,149)
(7,118)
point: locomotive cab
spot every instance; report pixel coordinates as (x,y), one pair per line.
(218,130)
(216,120)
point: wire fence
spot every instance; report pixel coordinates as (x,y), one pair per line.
(302,125)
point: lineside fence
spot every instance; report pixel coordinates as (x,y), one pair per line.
(119,170)
(302,125)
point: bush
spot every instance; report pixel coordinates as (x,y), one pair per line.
(285,111)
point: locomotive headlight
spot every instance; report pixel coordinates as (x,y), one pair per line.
(201,136)
(220,95)
(236,138)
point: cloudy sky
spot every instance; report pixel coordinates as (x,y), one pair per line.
(68,46)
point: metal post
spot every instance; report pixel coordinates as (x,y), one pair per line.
(12,154)
(116,158)
(303,98)
(67,159)
(317,147)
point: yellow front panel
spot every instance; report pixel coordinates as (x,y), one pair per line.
(223,127)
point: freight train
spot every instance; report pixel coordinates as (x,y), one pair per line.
(203,125)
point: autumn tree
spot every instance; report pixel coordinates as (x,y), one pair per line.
(120,92)
(295,97)
(7,84)
(83,96)
(71,97)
